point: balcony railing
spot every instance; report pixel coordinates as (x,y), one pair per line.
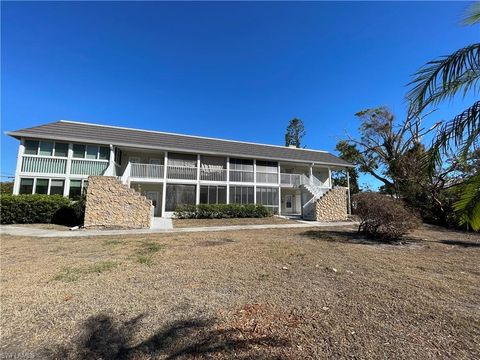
(88,167)
(48,165)
(213,174)
(267,178)
(181,172)
(241,176)
(147,171)
(293,179)
(174,172)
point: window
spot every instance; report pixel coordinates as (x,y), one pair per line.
(241,164)
(41,186)
(75,189)
(241,195)
(26,186)
(31,147)
(213,194)
(104,153)
(61,149)
(179,195)
(78,151)
(46,148)
(92,151)
(56,187)
(267,172)
(241,170)
(268,197)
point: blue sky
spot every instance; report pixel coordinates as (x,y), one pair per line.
(232,70)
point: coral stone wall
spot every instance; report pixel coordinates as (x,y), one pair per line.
(332,206)
(110,204)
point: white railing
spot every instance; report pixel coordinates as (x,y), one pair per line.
(267,177)
(181,172)
(241,176)
(213,174)
(49,165)
(146,171)
(293,179)
(315,182)
(126,173)
(88,167)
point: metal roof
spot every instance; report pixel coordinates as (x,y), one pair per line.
(120,136)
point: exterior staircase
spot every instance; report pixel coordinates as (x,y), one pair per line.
(314,192)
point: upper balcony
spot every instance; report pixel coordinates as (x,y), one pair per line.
(157,173)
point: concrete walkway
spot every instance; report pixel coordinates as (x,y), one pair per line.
(46,233)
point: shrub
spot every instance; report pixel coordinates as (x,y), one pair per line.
(29,209)
(382,217)
(221,211)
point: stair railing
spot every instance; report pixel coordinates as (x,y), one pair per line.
(126,173)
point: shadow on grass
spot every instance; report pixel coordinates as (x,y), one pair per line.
(102,337)
(466,244)
(351,237)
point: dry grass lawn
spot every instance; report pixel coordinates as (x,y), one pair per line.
(186,223)
(283,294)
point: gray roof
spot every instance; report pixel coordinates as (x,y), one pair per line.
(104,134)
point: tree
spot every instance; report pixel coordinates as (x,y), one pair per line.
(6,187)
(393,153)
(349,153)
(443,79)
(295,132)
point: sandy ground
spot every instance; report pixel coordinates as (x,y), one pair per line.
(284,294)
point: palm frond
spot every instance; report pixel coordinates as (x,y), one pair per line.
(443,78)
(461,131)
(468,206)
(473,14)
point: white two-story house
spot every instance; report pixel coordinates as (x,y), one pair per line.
(172,169)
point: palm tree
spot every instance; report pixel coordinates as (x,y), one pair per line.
(442,79)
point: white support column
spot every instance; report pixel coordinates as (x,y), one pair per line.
(66,188)
(197,193)
(228,180)
(311,173)
(111,160)
(279,191)
(164,189)
(348,192)
(279,200)
(330,178)
(279,174)
(18,169)
(254,181)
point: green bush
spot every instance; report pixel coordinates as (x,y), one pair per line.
(383,217)
(221,211)
(30,209)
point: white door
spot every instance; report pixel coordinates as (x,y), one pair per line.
(153,195)
(288,204)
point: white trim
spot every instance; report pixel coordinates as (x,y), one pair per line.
(16,183)
(228,180)
(164,189)
(254,181)
(197,193)
(348,191)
